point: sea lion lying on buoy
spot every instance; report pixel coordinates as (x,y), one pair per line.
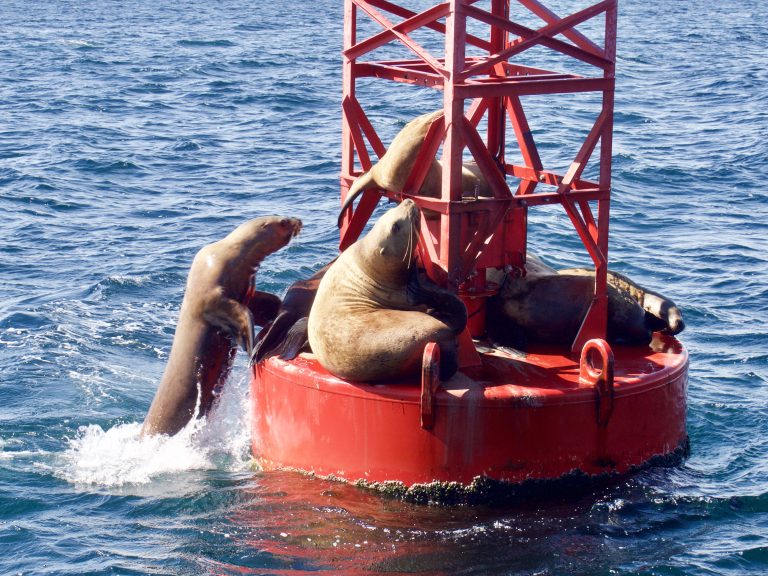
(287,334)
(547,306)
(372,315)
(219,310)
(391,172)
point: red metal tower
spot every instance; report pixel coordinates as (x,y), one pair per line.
(504,416)
(472,234)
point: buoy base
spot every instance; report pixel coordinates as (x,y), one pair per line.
(515,418)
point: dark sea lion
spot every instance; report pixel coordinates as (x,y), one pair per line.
(661,313)
(286,336)
(392,171)
(548,306)
(373,316)
(213,318)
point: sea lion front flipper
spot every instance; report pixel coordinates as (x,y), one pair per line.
(232,317)
(264,307)
(444,304)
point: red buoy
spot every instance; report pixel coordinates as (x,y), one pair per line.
(506,415)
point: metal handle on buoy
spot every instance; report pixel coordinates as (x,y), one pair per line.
(596,368)
(430,382)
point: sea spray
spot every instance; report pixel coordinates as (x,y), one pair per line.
(119,456)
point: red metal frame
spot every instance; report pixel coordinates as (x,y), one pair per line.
(471,235)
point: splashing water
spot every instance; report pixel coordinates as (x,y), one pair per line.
(119,456)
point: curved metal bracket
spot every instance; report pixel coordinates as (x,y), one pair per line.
(596,368)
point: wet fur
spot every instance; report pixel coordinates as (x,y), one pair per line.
(213,319)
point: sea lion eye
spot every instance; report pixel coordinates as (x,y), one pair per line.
(395,228)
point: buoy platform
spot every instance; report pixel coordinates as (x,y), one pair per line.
(506,415)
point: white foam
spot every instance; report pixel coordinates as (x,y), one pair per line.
(119,456)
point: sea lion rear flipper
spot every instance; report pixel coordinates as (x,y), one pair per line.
(363,183)
(295,340)
(272,337)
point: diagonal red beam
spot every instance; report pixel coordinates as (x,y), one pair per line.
(473,251)
(525,32)
(425,157)
(484,161)
(523,132)
(404,38)
(365,124)
(581,228)
(521,44)
(353,121)
(437,26)
(477,111)
(416,21)
(585,152)
(550,17)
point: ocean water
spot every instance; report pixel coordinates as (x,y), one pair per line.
(132,133)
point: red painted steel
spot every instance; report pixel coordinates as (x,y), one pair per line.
(507,416)
(513,419)
(476,234)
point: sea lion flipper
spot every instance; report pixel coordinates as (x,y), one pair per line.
(444,304)
(272,336)
(264,307)
(232,317)
(295,340)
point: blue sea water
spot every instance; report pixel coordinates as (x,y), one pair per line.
(132,133)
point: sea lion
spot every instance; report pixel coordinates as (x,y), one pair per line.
(219,309)
(392,171)
(287,335)
(548,306)
(661,313)
(373,315)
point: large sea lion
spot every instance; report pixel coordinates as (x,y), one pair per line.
(373,316)
(548,306)
(391,172)
(219,309)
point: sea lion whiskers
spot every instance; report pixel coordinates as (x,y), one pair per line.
(408,256)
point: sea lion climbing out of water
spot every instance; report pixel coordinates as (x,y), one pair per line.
(372,316)
(214,317)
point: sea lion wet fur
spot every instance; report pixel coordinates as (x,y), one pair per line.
(213,318)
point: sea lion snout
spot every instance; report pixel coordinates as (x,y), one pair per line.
(294,225)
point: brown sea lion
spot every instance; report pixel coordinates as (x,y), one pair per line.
(373,316)
(391,172)
(219,309)
(548,306)
(286,335)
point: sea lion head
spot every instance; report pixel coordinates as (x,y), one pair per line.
(260,237)
(389,248)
